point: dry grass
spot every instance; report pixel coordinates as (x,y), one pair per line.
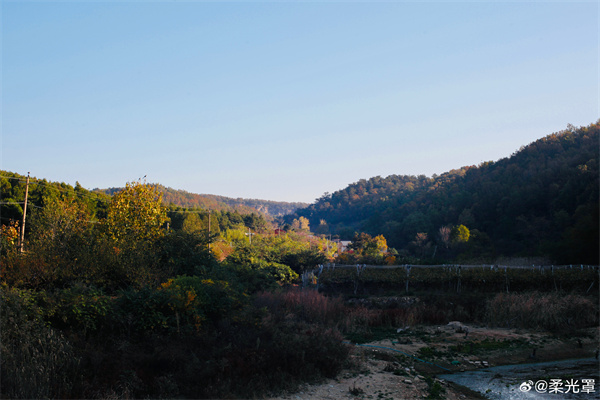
(555,312)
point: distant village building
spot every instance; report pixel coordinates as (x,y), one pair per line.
(342,245)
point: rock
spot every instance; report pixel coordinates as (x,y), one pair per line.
(407,381)
(458,326)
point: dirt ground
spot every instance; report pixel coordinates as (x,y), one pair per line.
(406,367)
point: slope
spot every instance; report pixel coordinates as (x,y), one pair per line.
(540,201)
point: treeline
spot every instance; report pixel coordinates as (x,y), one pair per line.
(541,201)
(12,196)
(185,199)
(120,297)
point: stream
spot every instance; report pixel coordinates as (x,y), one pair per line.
(568,379)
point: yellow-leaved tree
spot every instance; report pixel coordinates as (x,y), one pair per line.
(133,226)
(136,214)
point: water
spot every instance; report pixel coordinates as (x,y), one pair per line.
(504,382)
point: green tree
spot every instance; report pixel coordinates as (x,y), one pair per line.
(323,228)
(192,223)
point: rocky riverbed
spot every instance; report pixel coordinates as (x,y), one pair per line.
(407,365)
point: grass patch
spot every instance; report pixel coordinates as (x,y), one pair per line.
(430,353)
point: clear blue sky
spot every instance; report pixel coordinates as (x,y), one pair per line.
(286,101)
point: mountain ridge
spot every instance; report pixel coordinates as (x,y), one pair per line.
(185,199)
(541,200)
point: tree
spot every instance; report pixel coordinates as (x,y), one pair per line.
(255,221)
(9,237)
(421,244)
(369,249)
(192,223)
(445,235)
(135,214)
(460,234)
(132,229)
(323,228)
(301,224)
(61,231)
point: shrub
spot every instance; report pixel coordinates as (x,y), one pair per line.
(196,299)
(80,307)
(140,312)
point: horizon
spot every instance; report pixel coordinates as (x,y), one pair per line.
(284,201)
(286,101)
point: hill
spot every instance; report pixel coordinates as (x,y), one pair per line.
(185,199)
(12,195)
(540,201)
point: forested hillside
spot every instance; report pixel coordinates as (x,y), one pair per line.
(540,201)
(185,199)
(12,192)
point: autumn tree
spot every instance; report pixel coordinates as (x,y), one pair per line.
(60,228)
(444,233)
(421,244)
(135,214)
(132,228)
(9,237)
(368,249)
(301,224)
(460,234)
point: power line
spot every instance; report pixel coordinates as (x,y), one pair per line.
(189,211)
(17,202)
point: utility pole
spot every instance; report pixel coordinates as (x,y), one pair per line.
(209,229)
(24,214)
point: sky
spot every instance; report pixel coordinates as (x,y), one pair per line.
(282,100)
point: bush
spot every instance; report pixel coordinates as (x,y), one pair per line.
(195,299)
(81,307)
(140,312)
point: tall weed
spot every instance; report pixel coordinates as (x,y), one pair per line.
(555,312)
(308,305)
(37,361)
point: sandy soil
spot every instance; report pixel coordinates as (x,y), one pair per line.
(393,369)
